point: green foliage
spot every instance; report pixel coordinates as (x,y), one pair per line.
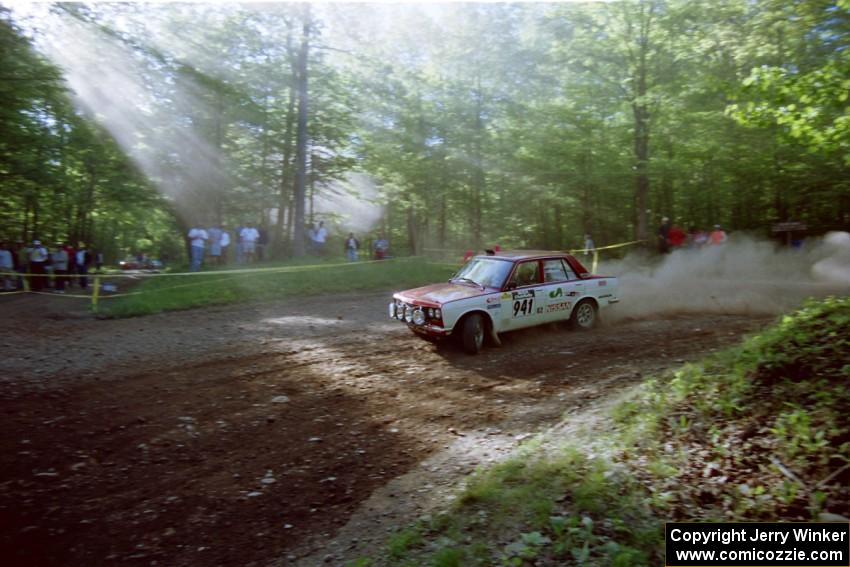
(401,542)
(577,118)
(778,404)
(811,344)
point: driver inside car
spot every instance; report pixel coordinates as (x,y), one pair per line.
(527,274)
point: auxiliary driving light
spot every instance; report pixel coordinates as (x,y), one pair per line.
(419,317)
(392,310)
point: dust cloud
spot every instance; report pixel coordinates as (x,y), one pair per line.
(352,203)
(744,276)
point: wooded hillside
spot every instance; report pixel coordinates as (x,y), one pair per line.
(444,126)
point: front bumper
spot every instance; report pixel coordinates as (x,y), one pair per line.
(428,330)
(427,325)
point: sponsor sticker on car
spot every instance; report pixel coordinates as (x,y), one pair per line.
(562,306)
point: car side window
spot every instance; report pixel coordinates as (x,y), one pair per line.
(554,271)
(526,273)
(571,275)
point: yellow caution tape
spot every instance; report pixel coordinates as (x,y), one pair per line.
(610,247)
(95,296)
(53,293)
(305,267)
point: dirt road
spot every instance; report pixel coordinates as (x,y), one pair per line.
(291,433)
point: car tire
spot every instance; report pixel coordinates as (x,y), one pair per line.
(585,316)
(472,333)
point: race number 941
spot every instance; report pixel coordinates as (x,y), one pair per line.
(523,307)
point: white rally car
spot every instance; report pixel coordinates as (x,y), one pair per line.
(505,291)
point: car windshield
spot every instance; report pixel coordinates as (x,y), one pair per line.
(484,271)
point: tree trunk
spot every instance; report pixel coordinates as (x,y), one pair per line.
(668,205)
(217,181)
(412,237)
(301,137)
(640,110)
(479,180)
(88,202)
(283,230)
(641,149)
(441,234)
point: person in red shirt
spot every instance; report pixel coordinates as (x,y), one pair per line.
(717,236)
(676,236)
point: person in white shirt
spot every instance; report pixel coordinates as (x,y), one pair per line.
(589,246)
(59,259)
(249,236)
(83,262)
(7,267)
(38,257)
(320,238)
(197,238)
(215,245)
(225,242)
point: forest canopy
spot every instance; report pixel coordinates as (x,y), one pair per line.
(441,126)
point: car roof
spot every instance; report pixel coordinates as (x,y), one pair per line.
(525,254)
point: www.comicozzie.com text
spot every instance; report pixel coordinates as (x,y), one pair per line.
(727,536)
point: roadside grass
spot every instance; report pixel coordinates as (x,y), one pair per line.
(760,431)
(292,279)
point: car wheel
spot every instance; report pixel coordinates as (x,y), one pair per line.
(584,316)
(472,334)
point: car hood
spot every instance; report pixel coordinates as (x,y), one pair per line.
(441,293)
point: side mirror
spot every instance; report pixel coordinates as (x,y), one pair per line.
(511,286)
(585,275)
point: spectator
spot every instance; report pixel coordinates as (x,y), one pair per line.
(7,267)
(72,263)
(59,260)
(38,259)
(198,238)
(237,236)
(663,236)
(249,236)
(311,238)
(83,260)
(589,246)
(676,237)
(717,236)
(214,234)
(262,242)
(321,238)
(225,242)
(98,261)
(19,259)
(381,246)
(351,247)
(696,237)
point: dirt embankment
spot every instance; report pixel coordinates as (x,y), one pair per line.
(281,433)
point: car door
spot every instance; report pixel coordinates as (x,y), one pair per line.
(522,304)
(562,290)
